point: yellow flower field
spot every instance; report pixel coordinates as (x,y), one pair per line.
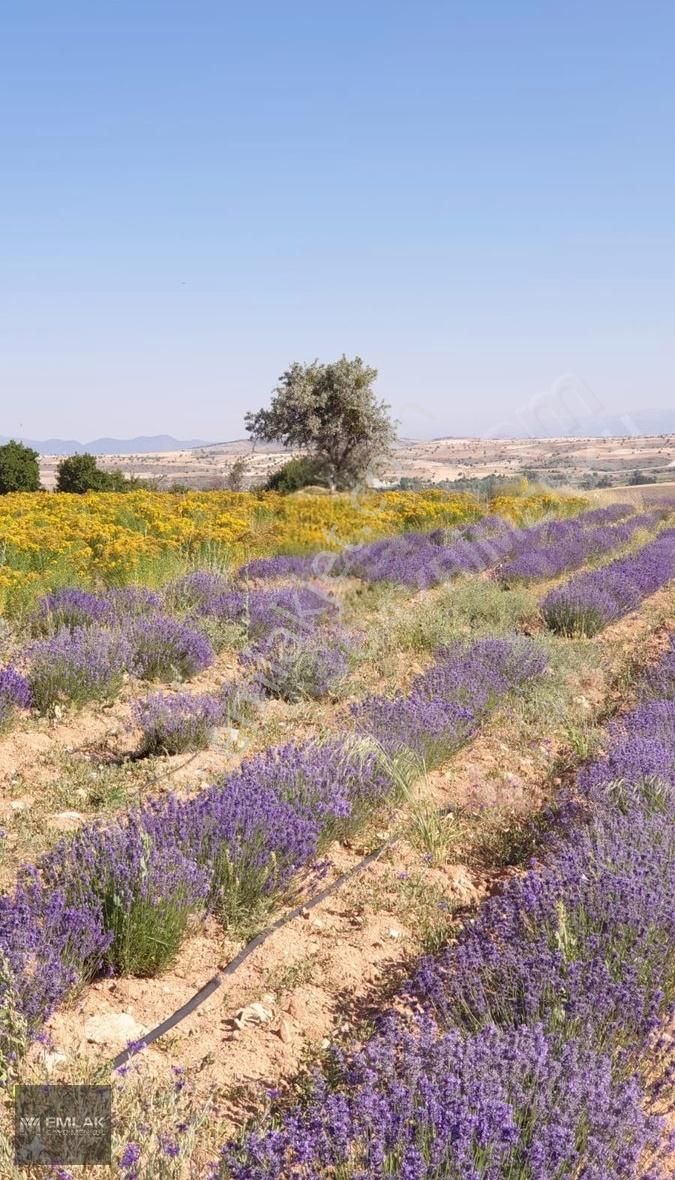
(48,540)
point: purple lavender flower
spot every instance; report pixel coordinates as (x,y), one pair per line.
(130,602)
(236,702)
(580,944)
(51,945)
(659,680)
(420,1106)
(591,600)
(80,665)
(15,693)
(163,648)
(423,559)
(130,1156)
(268,569)
(534,1020)
(139,891)
(174,724)
(70,607)
(567,545)
(296,609)
(445,704)
(296,667)
(195,590)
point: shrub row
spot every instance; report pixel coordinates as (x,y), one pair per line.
(119,898)
(444,704)
(88,642)
(423,559)
(563,546)
(521,1061)
(588,602)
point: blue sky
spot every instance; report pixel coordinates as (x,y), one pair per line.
(478,198)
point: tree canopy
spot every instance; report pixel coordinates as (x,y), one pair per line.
(81,473)
(330,411)
(19,468)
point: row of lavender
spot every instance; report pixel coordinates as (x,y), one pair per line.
(423,559)
(119,898)
(521,1061)
(94,640)
(563,545)
(588,602)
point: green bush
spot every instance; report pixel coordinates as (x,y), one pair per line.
(19,468)
(296,474)
(81,473)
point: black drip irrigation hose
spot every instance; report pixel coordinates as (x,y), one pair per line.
(215,982)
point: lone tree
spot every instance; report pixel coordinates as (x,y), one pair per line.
(330,412)
(19,468)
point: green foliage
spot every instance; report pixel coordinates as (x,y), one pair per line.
(433,831)
(295,474)
(19,468)
(13,1030)
(593,480)
(146,937)
(329,411)
(236,476)
(641,477)
(80,473)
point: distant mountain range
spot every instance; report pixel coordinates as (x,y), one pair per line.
(633,423)
(142,445)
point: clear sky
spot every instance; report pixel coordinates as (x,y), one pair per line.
(477,197)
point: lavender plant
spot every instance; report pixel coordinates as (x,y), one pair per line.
(163,648)
(140,893)
(269,569)
(418,1105)
(423,559)
(195,589)
(581,943)
(298,667)
(297,610)
(77,666)
(591,600)
(563,545)
(445,705)
(126,602)
(521,1063)
(15,694)
(177,723)
(69,607)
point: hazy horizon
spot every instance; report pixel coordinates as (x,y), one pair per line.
(477,199)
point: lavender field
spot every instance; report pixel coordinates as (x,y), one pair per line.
(488,706)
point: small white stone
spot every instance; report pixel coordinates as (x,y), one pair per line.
(53,1060)
(113,1028)
(255,1014)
